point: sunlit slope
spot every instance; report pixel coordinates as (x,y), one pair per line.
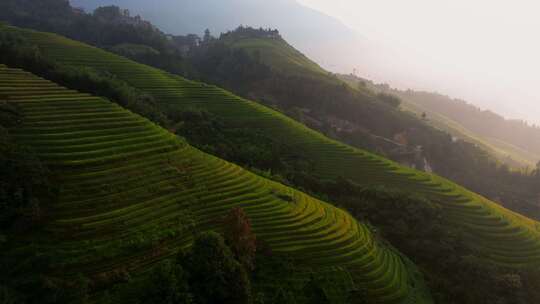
(503,236)
(278,54)
(520,158)
(128,189)
(500,149)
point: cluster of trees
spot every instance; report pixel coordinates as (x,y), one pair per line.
(470,166)
(24,182)
(483,122)
(218,62)
(412,224)
(106,27)
(207,273)
(466,163)
(248,147)
(218,268)
(450,278)
(242,32)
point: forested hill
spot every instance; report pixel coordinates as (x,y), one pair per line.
(493,127)
(322,37)
(269,47)
(514,141)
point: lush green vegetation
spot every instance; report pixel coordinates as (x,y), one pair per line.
(259,64)
(120,175)
(493,174)
(505,238)
(515,137)
(24,181)
(329,158)
(363,117)
(207,273)
(18,52)
(464,264)
(398,216)
(265,44)
(131,194)
(107,27)
(104,27)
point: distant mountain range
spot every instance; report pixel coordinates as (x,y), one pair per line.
(514,142)
(321,37)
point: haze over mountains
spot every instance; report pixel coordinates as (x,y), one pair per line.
(312,32)
(486,79)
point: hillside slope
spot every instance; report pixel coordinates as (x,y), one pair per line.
(127,188)
(510,154)
(512,141)
(277,53)
(320,36)
(499,234)
(380,121)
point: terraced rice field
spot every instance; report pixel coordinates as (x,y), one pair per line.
(128,189)
(503,236)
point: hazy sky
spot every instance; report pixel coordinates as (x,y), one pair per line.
(485,51)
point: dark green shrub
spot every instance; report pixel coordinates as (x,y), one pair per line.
(215,276)
(314,293)
(389,99)
(23,183)
(166,284)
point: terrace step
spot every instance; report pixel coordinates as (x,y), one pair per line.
(123,176)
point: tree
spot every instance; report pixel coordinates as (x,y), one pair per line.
(207,36)
(240,238)
(24,179)
(389,99)
(167,284)
(537,169)
(108,13)
(314,293)
(283,296)
(7,296)
(215,276)
(358,296)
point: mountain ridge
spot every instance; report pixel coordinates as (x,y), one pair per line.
(316,35)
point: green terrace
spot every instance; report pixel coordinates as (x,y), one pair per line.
(504,236)
(131,194)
